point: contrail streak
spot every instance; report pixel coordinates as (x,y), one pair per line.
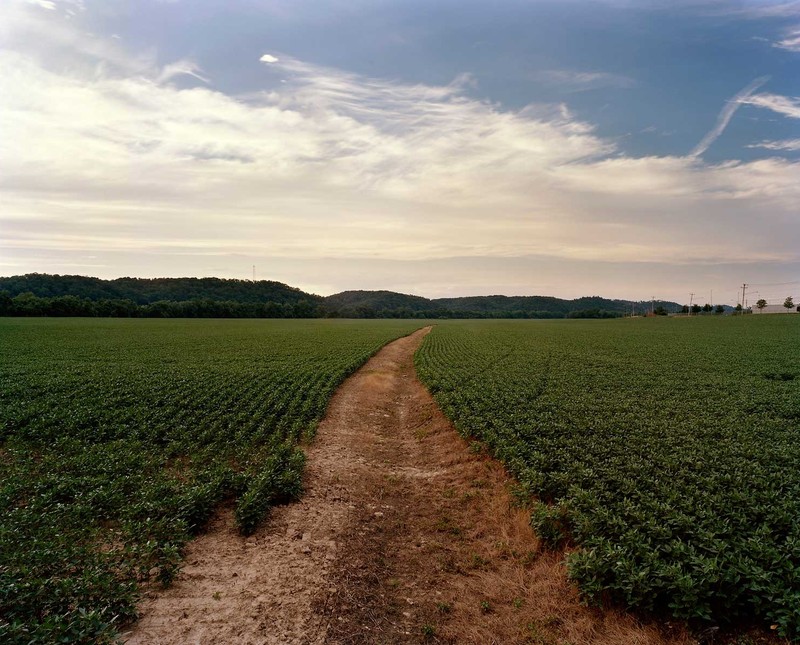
(726,114)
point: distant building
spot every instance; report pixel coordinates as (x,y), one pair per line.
(775,309)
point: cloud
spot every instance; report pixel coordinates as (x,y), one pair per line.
(787,106)
(181,68)
(749,9)
(791,42)
(44,4)
(790,145)
(56,43)
(576,81)
(770,9)
(726,114)
(268,58)
(69,6)
(745,9)
(123,165)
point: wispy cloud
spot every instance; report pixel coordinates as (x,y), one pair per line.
(181,68)
(577,81)
(746,9)
(70,6)
(790,42)
(752,9)
(55,42)
(268,58)
(789,145)
(770,9)
(726,114)
(44,4)
(785,105)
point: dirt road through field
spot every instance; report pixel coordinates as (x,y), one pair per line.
(404,535)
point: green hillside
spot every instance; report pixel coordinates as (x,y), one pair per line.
(39,294)
(354,302)
(147,290)
(378,303)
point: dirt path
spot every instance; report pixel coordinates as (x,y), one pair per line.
(404,535)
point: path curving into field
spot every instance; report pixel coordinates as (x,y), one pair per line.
(404,535)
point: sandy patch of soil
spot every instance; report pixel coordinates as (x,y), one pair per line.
(404,535)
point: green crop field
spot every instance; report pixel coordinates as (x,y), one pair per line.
(119,437)
(666,451)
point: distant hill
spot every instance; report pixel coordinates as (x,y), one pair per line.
(372,303)
(217,297)
(352,302)
(144,291)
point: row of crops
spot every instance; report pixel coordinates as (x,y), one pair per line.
(665,453)
(118,438)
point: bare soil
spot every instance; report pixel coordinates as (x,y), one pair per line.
(405,534)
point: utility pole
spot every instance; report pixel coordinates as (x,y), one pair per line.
(254,273)
(691,298)
(711,302)
(653,307)
(744,290)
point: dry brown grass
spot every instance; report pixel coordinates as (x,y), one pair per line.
(449,558)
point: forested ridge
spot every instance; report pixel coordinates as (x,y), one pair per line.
(39,294)
(144,291)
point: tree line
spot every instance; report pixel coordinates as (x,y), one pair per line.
(705,309)
(28,304)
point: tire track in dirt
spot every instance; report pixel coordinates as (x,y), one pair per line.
(404,535)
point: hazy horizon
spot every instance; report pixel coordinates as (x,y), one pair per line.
(568,148)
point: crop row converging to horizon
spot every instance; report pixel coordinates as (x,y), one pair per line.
(664,451)
(120,437)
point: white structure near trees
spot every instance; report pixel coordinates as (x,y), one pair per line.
(775,309)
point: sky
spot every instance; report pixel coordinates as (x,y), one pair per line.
(622,148)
